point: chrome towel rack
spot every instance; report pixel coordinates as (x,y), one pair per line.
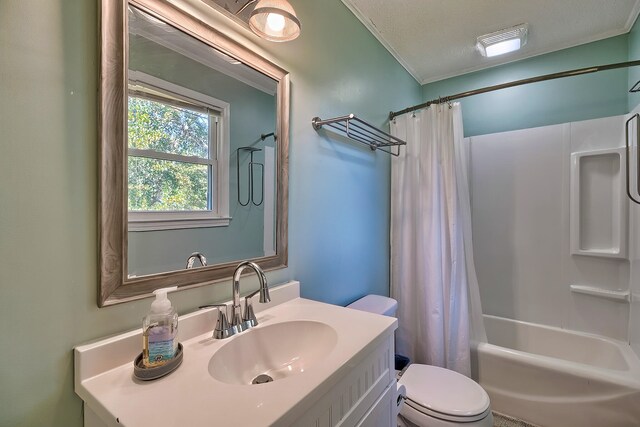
(251,166)
(360,131)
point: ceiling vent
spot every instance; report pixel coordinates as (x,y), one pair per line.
(503,41)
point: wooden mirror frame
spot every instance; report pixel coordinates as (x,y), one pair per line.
(115,287)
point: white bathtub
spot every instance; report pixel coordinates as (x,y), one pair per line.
(558,378)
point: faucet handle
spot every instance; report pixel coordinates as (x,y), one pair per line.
(222,329)
(249,317)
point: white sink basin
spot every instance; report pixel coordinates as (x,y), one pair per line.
(278,350)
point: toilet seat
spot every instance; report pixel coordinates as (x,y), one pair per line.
(409,404)
(444,394)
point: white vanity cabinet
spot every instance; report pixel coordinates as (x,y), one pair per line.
(339,374)
(384,412)
(365,397)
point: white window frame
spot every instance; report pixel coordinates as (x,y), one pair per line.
(218,162)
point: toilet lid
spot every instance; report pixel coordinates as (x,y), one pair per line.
(444,391)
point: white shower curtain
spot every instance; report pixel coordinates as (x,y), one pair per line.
(432,272)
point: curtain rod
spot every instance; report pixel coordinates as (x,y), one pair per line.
(542,78)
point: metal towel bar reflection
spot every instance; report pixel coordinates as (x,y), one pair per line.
(251,166)
(360,131)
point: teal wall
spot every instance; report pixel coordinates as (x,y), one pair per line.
(252,113)
(634,72)
(564,100)
(339,193)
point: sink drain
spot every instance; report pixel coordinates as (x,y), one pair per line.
(261,379)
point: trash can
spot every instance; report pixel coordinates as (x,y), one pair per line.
(401,362)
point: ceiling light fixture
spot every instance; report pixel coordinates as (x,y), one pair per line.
(274,20)
(503,41)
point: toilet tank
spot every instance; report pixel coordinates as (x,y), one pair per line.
(376,304)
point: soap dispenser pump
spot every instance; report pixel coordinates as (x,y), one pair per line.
(160,330)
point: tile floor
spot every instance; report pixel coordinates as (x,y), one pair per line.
(502,420)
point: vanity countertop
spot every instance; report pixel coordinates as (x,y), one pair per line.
(190,396)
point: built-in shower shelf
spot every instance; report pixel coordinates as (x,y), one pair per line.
(598,204)
(615,295)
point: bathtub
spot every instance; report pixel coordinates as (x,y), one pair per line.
(553,377)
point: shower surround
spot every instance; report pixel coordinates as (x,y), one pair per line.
(557,356)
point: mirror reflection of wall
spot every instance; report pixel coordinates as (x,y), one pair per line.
(195,115)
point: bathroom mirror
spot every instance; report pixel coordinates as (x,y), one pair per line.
(194,153)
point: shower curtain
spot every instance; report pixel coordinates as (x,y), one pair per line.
(433,277)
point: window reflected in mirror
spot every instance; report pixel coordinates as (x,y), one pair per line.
(170,146)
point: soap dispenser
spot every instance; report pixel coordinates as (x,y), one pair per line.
(159,331)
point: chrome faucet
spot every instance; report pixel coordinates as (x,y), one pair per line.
(249,319)
(192,258)
(240,323)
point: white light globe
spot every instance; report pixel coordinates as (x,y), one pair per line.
(275,22)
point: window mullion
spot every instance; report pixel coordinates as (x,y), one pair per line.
(159,155)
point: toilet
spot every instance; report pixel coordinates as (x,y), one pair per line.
(435,397)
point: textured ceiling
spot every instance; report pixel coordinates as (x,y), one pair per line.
(435,39)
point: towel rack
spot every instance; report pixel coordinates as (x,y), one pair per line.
(252,165)
(360,131)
